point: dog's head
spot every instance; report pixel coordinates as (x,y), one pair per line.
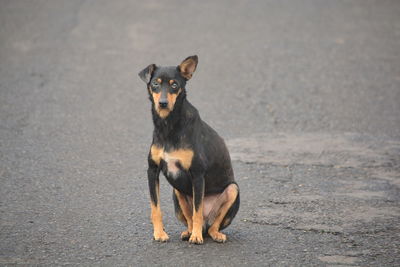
(165,84)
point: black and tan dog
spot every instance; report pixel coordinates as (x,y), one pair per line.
(191,155)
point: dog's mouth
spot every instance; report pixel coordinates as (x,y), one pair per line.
(163,112)
(161,108)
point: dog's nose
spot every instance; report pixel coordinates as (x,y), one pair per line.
(163,104)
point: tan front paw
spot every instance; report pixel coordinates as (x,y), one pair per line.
(218,236)
(185,235)
(161,236)
(196,238)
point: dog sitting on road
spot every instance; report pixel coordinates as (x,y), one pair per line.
(191,155)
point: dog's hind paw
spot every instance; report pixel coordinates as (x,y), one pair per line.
(218,236)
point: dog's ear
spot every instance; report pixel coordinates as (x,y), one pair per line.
(145,74)
(188,67)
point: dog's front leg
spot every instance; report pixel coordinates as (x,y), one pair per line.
(198,195)
(153,173)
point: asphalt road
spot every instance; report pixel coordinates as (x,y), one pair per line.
(306,94)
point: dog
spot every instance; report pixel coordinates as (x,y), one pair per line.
(191,155)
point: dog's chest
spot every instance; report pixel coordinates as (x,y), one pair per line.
(173,159)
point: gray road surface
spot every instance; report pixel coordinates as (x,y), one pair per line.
(306,94)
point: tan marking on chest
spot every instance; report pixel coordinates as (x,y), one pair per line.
(183,156)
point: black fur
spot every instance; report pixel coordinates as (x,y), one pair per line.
(210,171)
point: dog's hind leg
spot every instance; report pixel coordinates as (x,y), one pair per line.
(223,212)
(183,212)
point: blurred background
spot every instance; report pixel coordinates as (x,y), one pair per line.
(306,93)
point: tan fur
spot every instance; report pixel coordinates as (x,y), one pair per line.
(164,112)
(156,219)
(187,213)
(156,98)
(172,99)
(187,68)
(184,156)
(156,153)
(197,231)
(214,211)
(213,231)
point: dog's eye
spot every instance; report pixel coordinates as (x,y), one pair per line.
(174,86)
(155,84)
